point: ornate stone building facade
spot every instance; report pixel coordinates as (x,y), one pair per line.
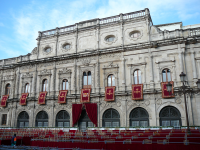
(116,51)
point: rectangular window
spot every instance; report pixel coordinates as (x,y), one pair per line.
(60,124)
(66,124)
(135,124)
(175,123)
(115,124)
(45,124)
(107,124)
(21,124)
(39,124)
(90,124)
(4,119)
(26,124)
(165,123)
(143,123)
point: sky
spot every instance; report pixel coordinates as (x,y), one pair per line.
(20,20)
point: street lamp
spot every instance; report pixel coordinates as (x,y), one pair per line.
(183,90)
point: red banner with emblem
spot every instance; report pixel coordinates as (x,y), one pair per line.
(4,100)
(85,95)
(110,93)
(41,98)
(137,92)
(165,93)
(62,96)
(23,98)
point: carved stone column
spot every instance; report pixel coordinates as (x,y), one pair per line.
(123,74)
(151,71)
(193,65)
(34,83)
(17,83)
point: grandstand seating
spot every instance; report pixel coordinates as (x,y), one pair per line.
(104,139)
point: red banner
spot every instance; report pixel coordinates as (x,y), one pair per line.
(23,98)
(137,92)
(3,100)
(85,95)
(110,93)
(41,98)
(62,96)
(165,93)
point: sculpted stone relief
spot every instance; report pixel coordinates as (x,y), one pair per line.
(65,62)
(45,65)
(64,71)
(45,72)
(27,75)
(114,55)
(8,77)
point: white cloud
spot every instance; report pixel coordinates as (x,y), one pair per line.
(39,16)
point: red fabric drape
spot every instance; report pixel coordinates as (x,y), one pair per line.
(76,112)
(92,112)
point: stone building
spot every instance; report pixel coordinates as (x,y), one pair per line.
(115,51)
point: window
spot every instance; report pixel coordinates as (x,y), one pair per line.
(4,119)
(45,85)
(7,90)
(65,84)
(27,88)
(111,80)
(110,38)
(66,46)
(137,77)
(62,119)
(139,117)
(170,116)
(135,34)
(111,118)
(87,80)
(166,76)
(41,119)
(84,121)
(23,120)
(47,49)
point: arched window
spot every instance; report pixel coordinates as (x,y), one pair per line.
(137,77)
(87,80)
(45,85)
(170,116)
(62,119)
(7,90)
(41,119)
(111,80)
(111,118)
(166,76)
(139,117)
(23,120)
(27,88)
(65,84)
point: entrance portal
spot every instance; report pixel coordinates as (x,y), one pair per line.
(84,121)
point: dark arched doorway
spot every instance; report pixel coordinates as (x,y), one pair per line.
(62,119)
(41,119)
(84,121)
(170,116)
(139,117)
(111,118)
(23,120)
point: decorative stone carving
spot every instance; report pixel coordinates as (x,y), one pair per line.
(27,75)
(65,62)
(110,43)
(86,61)
(45,72)
(118,104)
(130,103)
(63,44)
(45,65)
(64,70)
(159,102)
(178,101)
(8,77)
(147,102)
(114,55)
